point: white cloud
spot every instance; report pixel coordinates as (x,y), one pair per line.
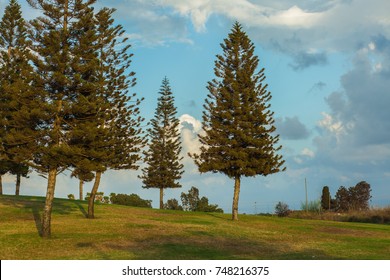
(307,152)
(196,124)
(330,124)
(190,127)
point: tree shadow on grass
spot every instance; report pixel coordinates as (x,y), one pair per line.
(215,215)
(37,219)
(35,206)
(206,247)
(81,207)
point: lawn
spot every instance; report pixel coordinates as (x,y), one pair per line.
(121,232)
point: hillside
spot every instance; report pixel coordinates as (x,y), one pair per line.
(121,232)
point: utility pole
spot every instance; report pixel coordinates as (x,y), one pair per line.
(306,196)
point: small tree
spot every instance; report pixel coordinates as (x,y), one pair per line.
(173,204)
(342,199)
(282,209)
(83,176)
(163,157)
(192,202)
(239,133)
(360,196)
(325,198)
(354,198)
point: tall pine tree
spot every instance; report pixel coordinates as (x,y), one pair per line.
(19,99)
(239,135)
(56,36)
(163,157)
(109,134)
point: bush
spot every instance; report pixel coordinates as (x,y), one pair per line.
(282,209)
(130,200)
(173,204)
(99,197)
(71,196)
(192,202)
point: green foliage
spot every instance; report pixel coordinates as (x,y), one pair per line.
(130,200)
(192,202)
(99,197)
(163,157)
(282,209)
(71,196)
(342,199)
(239,136)
(354,198)
(173,204)
(325,198)
(19,109)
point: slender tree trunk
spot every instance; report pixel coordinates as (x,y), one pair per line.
(81,184)
(236,198)
(161,198)
(46,219)
(17,191)
(1,185)
(91,202)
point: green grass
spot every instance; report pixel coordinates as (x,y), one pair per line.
(121,232)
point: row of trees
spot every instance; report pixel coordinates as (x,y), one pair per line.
(355,198)
(64,94)
(66,104)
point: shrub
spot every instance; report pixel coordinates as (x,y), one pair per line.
(99,197)
(130,200)
(282,209)
(173,204)
(192,202)
(71,196)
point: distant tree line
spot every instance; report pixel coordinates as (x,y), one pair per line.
(355,198)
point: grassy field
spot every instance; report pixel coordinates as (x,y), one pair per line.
(121,232)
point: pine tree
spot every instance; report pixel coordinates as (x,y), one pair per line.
(19,170)
(83,176)
(239,135)
(325,198)
(163,157)
(19,99)
(107,134)
(56,36)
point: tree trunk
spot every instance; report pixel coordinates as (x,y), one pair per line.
(46,220)
(161,198)
(1,185)
(17,191)
(81,184)
(91,202)
(236,198)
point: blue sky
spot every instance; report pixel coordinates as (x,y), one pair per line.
(327,66)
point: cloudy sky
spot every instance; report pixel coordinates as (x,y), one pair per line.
(327,66)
